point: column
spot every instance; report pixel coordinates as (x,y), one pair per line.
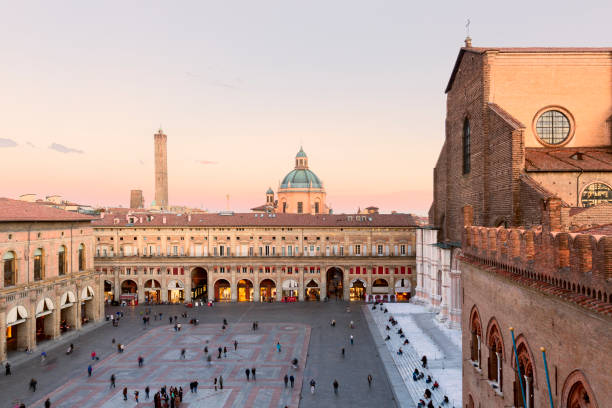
(301,289)
(77,308)
(3,332)
(187,281)
(279,290)
(28,340)
(234,288)
(323,285)
(256,292)
(210,288)
(346,293)
(164,287)
(141,289)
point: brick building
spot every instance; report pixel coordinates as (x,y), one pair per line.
(152,256)
(49,285)
(527,156)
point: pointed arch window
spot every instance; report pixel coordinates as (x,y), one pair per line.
(82,260)
(39,266)
(10,269)
(466,146)
(61,261)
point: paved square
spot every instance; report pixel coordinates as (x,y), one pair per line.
(161,350)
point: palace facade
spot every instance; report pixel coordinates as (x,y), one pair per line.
(521,224)
(163,257)
(49,286)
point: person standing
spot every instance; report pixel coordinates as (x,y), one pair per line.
(136,396)
(248,373)
(235,345)
(7,369)
(312,386)
(112,381)
(215,383)
(182,354)
(93,355)
(221,382)
(140,361)
(342,351)
(369,380)
(47,403)
(147,392)
(278,346)
(224,352)
(89,370)
(33,384)
(291,380)
(253,372)
(209,359)
(195,386)
(336,385)
(286,380)
(352,340)
(125,393)
(220,350)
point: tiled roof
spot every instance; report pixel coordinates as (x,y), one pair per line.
(16,210)
(259,220)
(536,50)
(560,159)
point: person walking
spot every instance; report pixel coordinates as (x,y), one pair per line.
(235,345)
(352,340)
(206,350)
(312,386)
(336,385)
(93,355)
(286,380)
(33,384)
(224,352)
(369,380)
(89,370)
(253,372)
(182,354)
(7,369)
(125,393)
(215,383)
(112,381)
(195,387)
(278,346)
(136,393)
(47,403)
(342,351)
(248,373)
(209,359)
(147,390)
(221,382)
(140,361)
(225,322)
(220,350)
(291,380)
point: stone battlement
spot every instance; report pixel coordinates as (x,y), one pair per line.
(575,263)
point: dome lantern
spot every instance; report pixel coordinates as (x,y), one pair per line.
(301,160)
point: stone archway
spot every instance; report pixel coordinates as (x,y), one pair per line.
(199,283)
(335,283)
(223,291)
(245,290)
(109,294)
(152,289)
(16,329)
(577,392)
(267,290)
(312,291)
(358,289)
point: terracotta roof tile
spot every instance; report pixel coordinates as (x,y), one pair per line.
(256,220)
(564,159)
(17,210)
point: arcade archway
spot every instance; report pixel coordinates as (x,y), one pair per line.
(267,290)
(109,295)
(129,292)
(176,292)
(152,289)
(44,320)
(245,290)
(87,305)
(334,278)
(199,283)
(357,290)
(16,330)
(68,314)
(313,292)
(290,289)
(403,288)
(223,291)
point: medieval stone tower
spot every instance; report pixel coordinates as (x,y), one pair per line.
(161,170)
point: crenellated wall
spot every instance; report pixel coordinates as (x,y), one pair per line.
(578,263)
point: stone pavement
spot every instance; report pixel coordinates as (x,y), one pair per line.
(64,378)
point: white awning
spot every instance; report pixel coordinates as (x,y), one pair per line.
(16,315)
(67,300)
(87,293)
(44,307)
(175,285)
(290,284)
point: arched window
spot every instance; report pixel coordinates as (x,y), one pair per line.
(39,265)
(61,261)
(495,343)
(10,269)
(526,365)
(596,193)
(476,331)
(82,263)
(466,146)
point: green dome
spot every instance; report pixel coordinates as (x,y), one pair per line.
(301,153)
(301,178)
(270,191)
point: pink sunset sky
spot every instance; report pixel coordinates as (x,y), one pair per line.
(239,86)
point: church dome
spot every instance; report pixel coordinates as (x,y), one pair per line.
(301,178)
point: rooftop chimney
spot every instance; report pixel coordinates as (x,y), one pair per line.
(468,42)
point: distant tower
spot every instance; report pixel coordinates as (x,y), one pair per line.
(161,170)
(136,199)
(270,196)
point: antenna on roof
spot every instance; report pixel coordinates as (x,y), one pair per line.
(468,40)
(227,202)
